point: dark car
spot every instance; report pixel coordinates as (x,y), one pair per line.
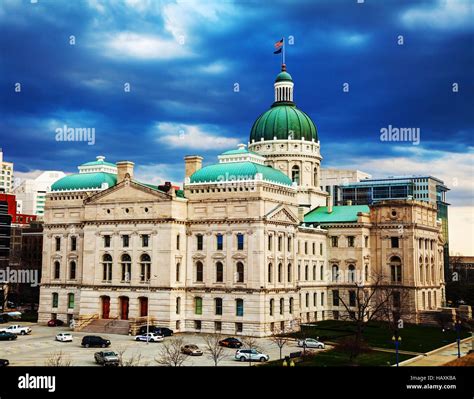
(92,340)
(6,336)
(164,331)
(230,343)
(4,318)
(55,323)
(4,362)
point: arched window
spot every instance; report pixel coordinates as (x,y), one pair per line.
(239,307)
(178,305)
(290,309)
(145,267)
(307,299)
(289,272)
(315,177)
(72,270)
(219,272)
(218,306)
(335,273)
(351,274)
(107,267)
(271,306)
(295,174)
(396,269)
(57,270)
(55,300)
(282,305)
(240,272)
(199,271)
(280,272)
(126,268)
(70,301)
(270,272)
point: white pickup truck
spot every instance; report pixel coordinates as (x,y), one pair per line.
(16,329)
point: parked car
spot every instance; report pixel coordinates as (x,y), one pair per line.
(16,329)
(93,340)
(64,337)
(106,358)
(164,331)
(4,318)
(191,350)
(7,336)
(150,337)
(4,362)
(230,343)
(310,343)
(251,354)
(55,323)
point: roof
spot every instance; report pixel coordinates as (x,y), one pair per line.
(238,151)
(283,76)
(339,214)
(99,162)
(233,171)
(281,120)
(84,181)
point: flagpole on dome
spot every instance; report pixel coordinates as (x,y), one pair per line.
(283,65)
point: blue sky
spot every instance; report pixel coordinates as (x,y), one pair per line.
(182,60)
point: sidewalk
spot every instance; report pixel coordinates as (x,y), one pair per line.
(441,356)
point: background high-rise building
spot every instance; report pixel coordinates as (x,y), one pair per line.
(31,193)
(6,174)
(333,179)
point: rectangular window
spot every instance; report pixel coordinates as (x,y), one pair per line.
(306,247)
(197,325)
(394,242)
(396,299)
(198,305)
(350,241)
(239,307)
(55,300)
(279,243)
(73,243)
(145,240)
(125,240)
(70,301)
(240,241)
(218,326)
(314,248)
(335,298)
(366,241)
(107,241)
(270,239)
(58,243)
(239,327)
(218,303)
(199,242)
(321,248)
(289,244)
(352,298)
(177,242)
(334,241)
(220,242)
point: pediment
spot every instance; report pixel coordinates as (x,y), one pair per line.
(128,191)
(282,214)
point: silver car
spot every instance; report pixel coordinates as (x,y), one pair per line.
(310,343)
(251,354)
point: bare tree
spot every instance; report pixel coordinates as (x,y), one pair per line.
(280,339)
(133,361)
(250,343)
(216,351)
(57,359)
(364,303)
(170,353)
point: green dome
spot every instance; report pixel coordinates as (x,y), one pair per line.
(84,181)
(282,119)
(282,76)
(247,170)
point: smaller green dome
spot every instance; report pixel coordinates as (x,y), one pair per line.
(84,181)
(283,76)
(222,172)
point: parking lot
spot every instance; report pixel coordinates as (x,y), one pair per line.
(35,349)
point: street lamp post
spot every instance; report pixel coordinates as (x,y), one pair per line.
(396,339)
(458,331)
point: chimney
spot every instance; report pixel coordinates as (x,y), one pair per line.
(329,203)
(192,163)
(124,170)
(349,202)
(301,212)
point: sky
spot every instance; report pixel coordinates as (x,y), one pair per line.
(158,80)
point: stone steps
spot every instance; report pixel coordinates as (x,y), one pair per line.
(108,326)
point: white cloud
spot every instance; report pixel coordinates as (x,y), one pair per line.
(142,46)
(192,136)
(461,230)
(214,68)
(158,173)
(444,14)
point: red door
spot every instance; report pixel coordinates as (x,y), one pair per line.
(143,307)
(105,307)
(124,308)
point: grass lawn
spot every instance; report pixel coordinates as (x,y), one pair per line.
(339,358)
(415,338)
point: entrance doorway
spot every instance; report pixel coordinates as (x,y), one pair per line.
(124,307)
(143,306)
(105,307)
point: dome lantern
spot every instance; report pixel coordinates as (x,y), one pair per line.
(283,86)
